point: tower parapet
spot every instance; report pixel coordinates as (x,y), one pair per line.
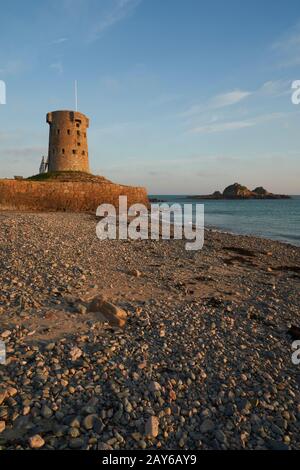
(68,147)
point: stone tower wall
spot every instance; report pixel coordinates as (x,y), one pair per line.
(68,147)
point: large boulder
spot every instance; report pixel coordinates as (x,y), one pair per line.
(113,314)
(260,191)
(217,195)
(236,190)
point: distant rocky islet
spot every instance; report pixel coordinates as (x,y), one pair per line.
(238,191)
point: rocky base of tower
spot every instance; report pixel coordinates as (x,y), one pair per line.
(65,191)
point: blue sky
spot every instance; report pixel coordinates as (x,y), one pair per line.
(184,96)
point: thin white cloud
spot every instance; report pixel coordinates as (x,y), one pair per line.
(224,100)
(120,10)
(235,125)
(192,110)
(228,99)
(288,48)
(276,87)
(289,40)
(59,41)
(217,102)
(221,127)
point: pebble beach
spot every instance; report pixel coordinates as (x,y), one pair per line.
(199,356)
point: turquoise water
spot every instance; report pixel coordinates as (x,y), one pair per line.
(276,219)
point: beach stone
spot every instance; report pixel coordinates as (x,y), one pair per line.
(220,435)
(75,422)
(75,353)
(2,426)
(98,425)
(244,405)
(154,387)
(46,412)
(113,314)
(80,308)
(97,303)
(12,391)
(74,432)
(135,273)
(76,443)
(3,412)
(104,446)
(3,395)
(36,442)
(152,427)
(143,444)
(128,407)
(6,334)
(93,422)
(277,445)
(207,426)
(26,410)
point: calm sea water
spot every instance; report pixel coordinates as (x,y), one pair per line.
(275,219)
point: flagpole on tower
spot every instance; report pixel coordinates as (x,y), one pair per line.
(76,96)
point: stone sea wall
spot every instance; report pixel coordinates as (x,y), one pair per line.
(72,196)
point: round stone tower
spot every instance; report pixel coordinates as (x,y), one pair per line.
(68,147)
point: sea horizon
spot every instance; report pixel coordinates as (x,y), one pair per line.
(274,219)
